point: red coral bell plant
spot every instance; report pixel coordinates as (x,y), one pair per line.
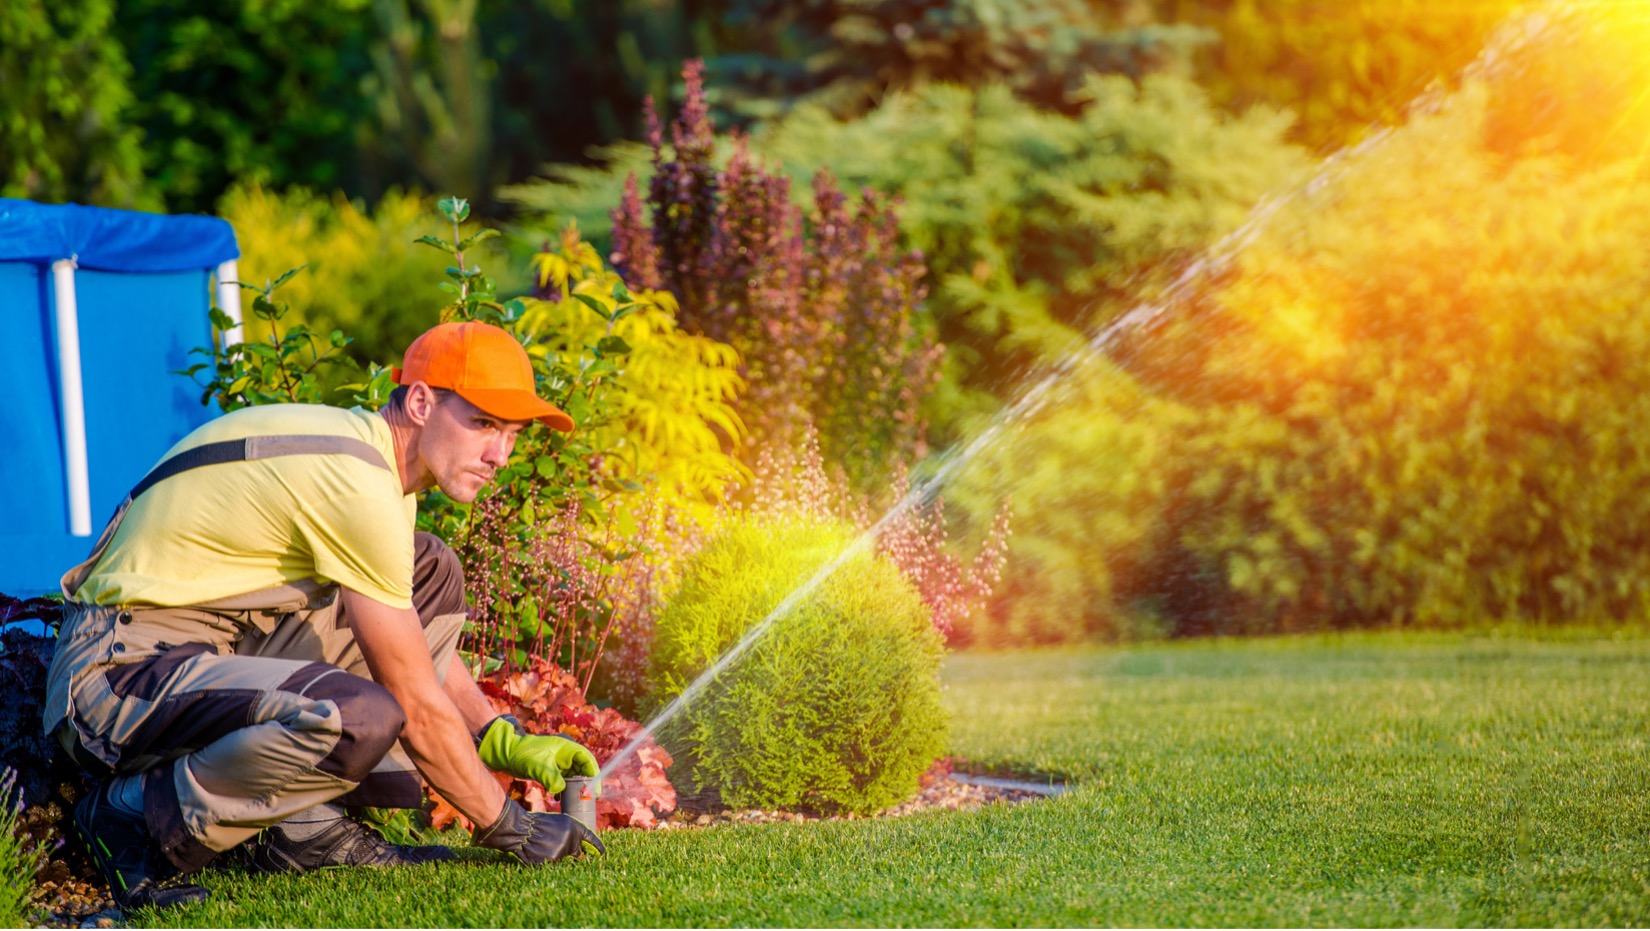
(548,700)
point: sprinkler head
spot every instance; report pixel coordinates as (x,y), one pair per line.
(578,800)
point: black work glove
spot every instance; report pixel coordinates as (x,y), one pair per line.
(536,837)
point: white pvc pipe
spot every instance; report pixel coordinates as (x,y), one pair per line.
(77,474)
(229,298)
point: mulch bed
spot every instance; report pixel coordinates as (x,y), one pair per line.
(939,792)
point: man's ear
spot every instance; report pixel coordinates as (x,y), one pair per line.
(420,402)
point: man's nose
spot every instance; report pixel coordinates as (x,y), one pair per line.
(497,453)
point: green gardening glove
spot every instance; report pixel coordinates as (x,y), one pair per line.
(505,745)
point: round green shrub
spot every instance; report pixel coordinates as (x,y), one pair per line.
(835,707)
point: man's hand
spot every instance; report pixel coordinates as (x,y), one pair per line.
(507,747)
(536,837)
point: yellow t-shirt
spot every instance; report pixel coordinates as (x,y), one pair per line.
(222,530)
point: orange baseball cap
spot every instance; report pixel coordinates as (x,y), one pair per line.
(485,366)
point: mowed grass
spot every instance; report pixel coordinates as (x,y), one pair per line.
(1371,780)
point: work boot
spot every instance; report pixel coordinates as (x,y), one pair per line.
(130,860)
(325,836)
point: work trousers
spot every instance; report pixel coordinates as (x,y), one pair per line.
(243,712)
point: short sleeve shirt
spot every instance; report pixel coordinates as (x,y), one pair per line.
(228,529)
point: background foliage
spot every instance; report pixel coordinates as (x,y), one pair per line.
(1401,440)
(170,102)
(263,91)
(66,82)
(1408,396)
(1034,227)
(1343,69)
(845,56)
(1224,471)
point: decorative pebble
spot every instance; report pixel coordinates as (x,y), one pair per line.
(938,792)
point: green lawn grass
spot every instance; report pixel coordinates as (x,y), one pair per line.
(1370,780)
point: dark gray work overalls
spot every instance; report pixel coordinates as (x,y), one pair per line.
(247,710)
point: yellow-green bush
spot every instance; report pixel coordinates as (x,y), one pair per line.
(1086,481)
(835,707)
(1421,388)
(1414,394)
(668,410)
(1342,67)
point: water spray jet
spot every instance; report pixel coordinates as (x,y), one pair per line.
(1115,342)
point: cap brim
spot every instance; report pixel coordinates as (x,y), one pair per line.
(518,405)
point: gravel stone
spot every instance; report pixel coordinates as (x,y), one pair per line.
(939,791)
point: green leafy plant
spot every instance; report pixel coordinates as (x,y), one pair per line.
(834,707)
(19,857)
(284,369)
(475,295)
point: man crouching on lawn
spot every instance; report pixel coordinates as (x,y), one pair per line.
(260,641)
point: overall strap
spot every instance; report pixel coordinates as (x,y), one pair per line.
(258,447)
(250,448)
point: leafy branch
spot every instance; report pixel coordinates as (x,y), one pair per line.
(475,295)
(283,370)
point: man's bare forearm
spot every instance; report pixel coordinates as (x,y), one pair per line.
(436,736)
(440,745)
(467,697)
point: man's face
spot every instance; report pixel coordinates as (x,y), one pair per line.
(463,446)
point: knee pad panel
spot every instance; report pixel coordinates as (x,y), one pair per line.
(371,718)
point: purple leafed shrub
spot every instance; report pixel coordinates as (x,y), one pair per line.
(823,305)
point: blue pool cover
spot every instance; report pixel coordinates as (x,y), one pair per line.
(142,290)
